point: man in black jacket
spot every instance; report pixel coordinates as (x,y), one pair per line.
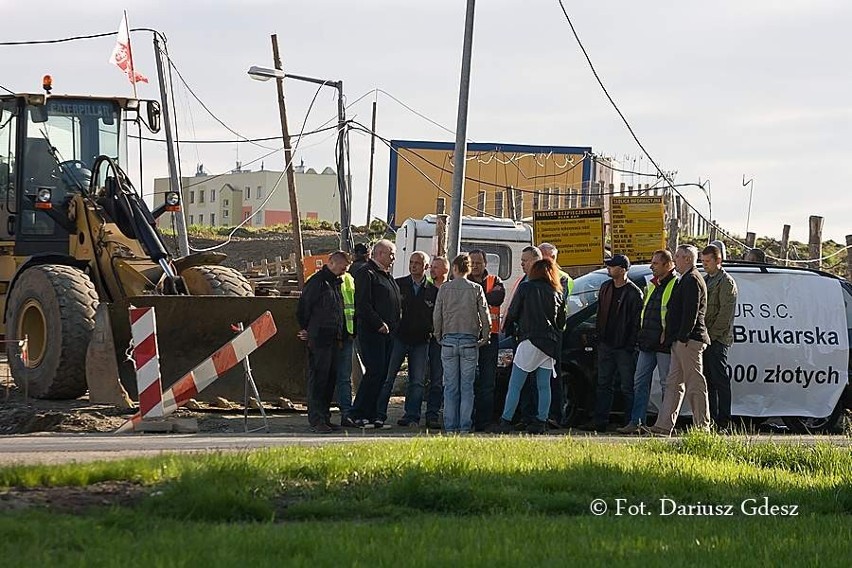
(619,308)
(378,307)
(412,341)
(323,325)
(486,371)
(687,334)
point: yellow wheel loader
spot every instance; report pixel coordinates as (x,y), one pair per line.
(78,245)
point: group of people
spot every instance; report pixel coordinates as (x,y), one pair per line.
(445,319)
(682,327)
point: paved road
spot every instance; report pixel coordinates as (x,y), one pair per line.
(67,448)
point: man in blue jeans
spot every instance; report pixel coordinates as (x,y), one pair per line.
(653,352)
(411,339)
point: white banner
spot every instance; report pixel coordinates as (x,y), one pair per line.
(791,346)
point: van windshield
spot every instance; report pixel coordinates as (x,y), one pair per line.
(586,289)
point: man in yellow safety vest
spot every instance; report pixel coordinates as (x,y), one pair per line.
(653,353)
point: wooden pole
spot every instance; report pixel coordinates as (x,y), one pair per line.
(441,236)
(291,179)
(785,244)
(372,159)
(849,258)
(510,197)
(713,231)
(673,234)
(815,223)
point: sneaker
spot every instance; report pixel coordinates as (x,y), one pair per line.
(629,429)
(504,427)
(537,427)
(433,423)
(321,428)
(361,423)
(378,424)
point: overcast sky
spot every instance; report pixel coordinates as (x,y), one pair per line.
(714,90)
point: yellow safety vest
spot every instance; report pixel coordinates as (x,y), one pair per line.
(348,291)
(667,293)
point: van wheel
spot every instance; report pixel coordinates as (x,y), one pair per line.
(53,306)
(826,425)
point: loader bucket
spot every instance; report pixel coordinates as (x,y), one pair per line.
(191,328)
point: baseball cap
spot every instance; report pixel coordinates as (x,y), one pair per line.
(618,260)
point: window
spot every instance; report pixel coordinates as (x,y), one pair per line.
(259,192)
(212,196)
(213,219)
(191,219)
(499,256)
(498,203)
(547,199)
(248,192)
(225,214)
(225,203)
(535,201)
(201,219)
(480,203)
(201,196)
(192,197)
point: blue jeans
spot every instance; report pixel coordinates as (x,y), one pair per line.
(435,393)
(417,354)
(645,365)
(459,356)
(375,351)
(614,362)
(517,380)
(483,387)
(344,377)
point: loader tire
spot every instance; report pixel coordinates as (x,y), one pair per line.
(215,281)
(53,305)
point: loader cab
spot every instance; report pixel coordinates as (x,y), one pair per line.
(48,145)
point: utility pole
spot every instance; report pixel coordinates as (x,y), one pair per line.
(174,181)
(372,156)
(460,151)
(343,186)
(298,250)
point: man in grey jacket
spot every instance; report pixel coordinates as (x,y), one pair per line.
(461,325)
(721,302)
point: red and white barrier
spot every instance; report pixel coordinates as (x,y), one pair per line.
(146,361)
(203,375)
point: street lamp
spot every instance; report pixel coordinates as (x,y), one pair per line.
(750,184)
(259,73)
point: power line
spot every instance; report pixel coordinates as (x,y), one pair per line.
(265,139)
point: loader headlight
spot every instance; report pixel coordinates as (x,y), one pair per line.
(42,200)
(172,201)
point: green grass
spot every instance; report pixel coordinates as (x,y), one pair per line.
(449,500)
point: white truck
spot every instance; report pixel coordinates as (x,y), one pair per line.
(501,239)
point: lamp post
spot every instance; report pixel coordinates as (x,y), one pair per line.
(264,74)
(750,184)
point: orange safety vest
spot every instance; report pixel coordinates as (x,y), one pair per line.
(490,281)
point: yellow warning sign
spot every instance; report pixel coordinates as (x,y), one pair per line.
(577,233)
(637,226)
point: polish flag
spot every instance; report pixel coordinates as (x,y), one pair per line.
(121,55)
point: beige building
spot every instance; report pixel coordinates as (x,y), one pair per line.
(228,199)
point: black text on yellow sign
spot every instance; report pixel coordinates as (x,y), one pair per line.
(637,226)
(577,233)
